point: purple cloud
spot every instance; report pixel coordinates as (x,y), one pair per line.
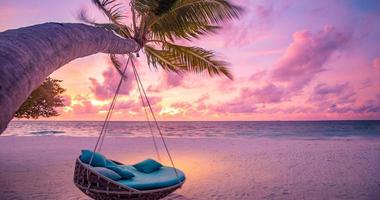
(339,93)
(270,93)
(168,80)
(107,88)
(306,56)
(376,63)
(234,107)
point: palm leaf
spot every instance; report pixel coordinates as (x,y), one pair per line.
(186,31)
(198,60)
(122,30)
(157,7)
(164,6)
(113,11)
(190,17)
(186,59)
(117,64)
(162,58)
(144,7)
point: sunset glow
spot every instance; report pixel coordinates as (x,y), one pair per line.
(292,60)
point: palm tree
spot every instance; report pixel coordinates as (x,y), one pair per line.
(29,55)
(156,25)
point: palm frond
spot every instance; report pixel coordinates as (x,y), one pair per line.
(83,16)
(116,63)
(188,31)
(186,59)
(186,14)
(144,7)
(120,29)
(157,7)
(113,11)
(198,60)
(162,58)
(164,6)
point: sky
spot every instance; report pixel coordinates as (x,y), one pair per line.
(291,60)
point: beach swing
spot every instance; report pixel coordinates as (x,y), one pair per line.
(101,178)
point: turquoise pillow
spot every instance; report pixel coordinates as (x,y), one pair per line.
(98,161)
(148,166)
(110,163)
(107,173)
(124,173)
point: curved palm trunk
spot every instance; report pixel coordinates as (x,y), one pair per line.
(28,55)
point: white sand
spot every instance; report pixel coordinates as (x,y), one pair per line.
(42,167)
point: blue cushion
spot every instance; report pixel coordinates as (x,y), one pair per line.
(164,177)
(122,171)
(107,173)
(110,163)
(148,166)
(98,161)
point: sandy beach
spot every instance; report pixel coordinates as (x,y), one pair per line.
(216,168)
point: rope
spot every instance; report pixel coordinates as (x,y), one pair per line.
(147,117)
(109,112)
(141,89)
(154,117)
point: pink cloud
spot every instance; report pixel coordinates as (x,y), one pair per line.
(366,83)
(270,93)
(339,93)
(172,79)
(255,22)
(154,100)
(376,63)
(234,107)
(306,56)
(258,75)
(226,85)
(66,100)
(248,98)
(203,98)
(264,11)
(182,105)
(369,107)
(137,106)
(339,98)
(107,88)
(200,103)
(168,80)
(84,107)
(131,105)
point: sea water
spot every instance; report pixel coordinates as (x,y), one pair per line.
(199,129)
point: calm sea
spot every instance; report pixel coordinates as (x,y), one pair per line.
(312,129)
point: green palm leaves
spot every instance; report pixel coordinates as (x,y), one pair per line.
(157,24)
(182,59)
(192,18)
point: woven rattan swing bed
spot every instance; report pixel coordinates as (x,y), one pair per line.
(100,187)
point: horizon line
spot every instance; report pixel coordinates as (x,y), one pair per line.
(312,120)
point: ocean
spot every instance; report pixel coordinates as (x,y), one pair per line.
(200,129)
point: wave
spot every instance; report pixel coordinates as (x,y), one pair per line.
(47,132)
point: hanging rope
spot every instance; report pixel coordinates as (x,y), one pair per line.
(142,92)
(154,117)
(109,111)
(148,120)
